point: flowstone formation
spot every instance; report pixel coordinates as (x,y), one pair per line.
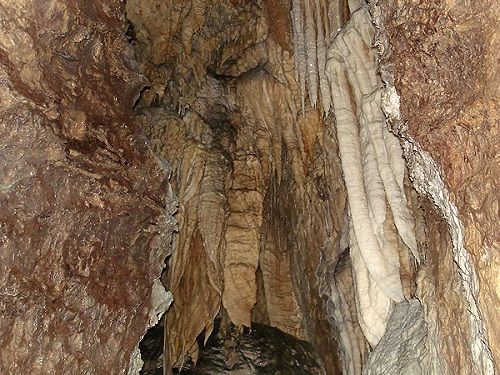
(380,226)
(331,167)
(449,106)
(260,193)
(296,205)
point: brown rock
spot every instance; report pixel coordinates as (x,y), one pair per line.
(82,200)
(220,88)
(445,59)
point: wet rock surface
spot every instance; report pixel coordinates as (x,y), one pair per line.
(444,57)
(262,351)
(85,208)
(232,103)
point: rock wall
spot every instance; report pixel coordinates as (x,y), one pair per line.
(243,110)
(85,207)
(443,58)
(261,200)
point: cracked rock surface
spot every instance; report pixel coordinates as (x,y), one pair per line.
(444,59)
(85,208)
(331,166)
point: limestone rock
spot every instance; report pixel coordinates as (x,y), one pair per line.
(444,63)
(85,206)
(404,347)
(275,130)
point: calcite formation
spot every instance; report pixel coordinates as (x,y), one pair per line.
(287,244)
(243,163)
(331,166)
(404,348)
(380,224)
(444,67)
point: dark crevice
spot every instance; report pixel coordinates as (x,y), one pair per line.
(263,350)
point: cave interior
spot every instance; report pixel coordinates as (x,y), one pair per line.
(247,187)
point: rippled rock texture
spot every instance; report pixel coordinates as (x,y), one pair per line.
(261,199)
(85,208)
(332,167)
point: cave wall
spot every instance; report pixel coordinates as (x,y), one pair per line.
(254,112)
(85,207)
(232,116)
(261,200)
(443,61)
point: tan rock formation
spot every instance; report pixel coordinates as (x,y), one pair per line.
(332,167)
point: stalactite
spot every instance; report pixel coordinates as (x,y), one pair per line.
(371,155)
(321,51)
(212,211)
(354,5)
(300,49)
(311,53)
(334,19)
(354,345)
(313,27)
(281,304)
(242,241)
(199,173)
